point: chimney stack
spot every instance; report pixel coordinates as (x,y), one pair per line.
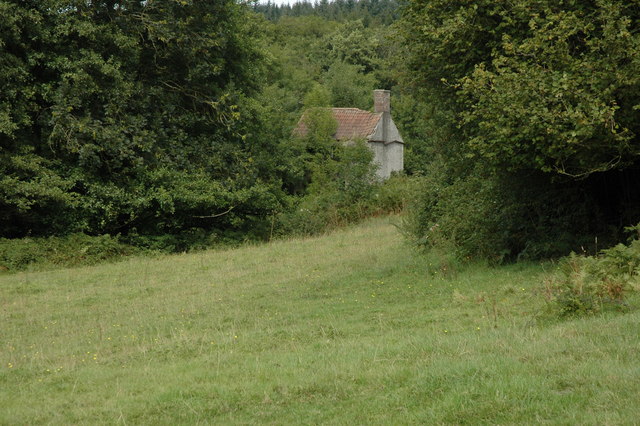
(382,101)
(382,104)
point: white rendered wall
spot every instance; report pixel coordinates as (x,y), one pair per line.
(379,159)
(388,158)
(394,157)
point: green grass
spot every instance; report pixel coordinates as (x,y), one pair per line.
(353,327)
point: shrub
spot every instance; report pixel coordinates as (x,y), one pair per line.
(344,191)
(462,215)
(589,284)
(72,250)
(502,217)
(396,194)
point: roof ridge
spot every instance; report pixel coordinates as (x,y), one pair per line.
(357,109)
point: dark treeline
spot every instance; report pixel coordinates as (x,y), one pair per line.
(129,117)
(369,11)
(535,135)
(170,123)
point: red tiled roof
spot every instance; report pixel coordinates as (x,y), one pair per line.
(353,123)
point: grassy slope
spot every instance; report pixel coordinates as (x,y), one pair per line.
(347,328)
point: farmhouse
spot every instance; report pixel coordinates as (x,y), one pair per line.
(376,128)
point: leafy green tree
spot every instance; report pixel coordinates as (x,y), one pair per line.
(539,85)
(354,44)
(574,82)
(122,115)
(534,95)
(349,86)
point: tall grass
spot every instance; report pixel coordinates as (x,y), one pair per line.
(347,328)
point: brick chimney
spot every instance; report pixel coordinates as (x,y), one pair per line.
(381,100)
(382,103)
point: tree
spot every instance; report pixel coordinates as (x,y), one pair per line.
(542,99)
(350,87)
(128,115)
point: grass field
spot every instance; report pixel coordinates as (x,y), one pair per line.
(347,328)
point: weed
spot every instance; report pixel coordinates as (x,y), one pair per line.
(589,284)
(72,250)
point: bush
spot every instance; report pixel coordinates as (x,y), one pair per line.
(502,217)
(462,215)
(72,250)
(589,284)
(343,191)
(396,194)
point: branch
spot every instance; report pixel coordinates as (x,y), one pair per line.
(603,168)
(215,215)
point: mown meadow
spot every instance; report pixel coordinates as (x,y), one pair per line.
(351,327)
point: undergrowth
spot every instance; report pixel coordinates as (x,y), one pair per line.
(72,250)
(326,209)
(590,284)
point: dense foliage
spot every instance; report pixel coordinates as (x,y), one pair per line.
(129,115)
(538,119)
(168,124)
(590,284)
